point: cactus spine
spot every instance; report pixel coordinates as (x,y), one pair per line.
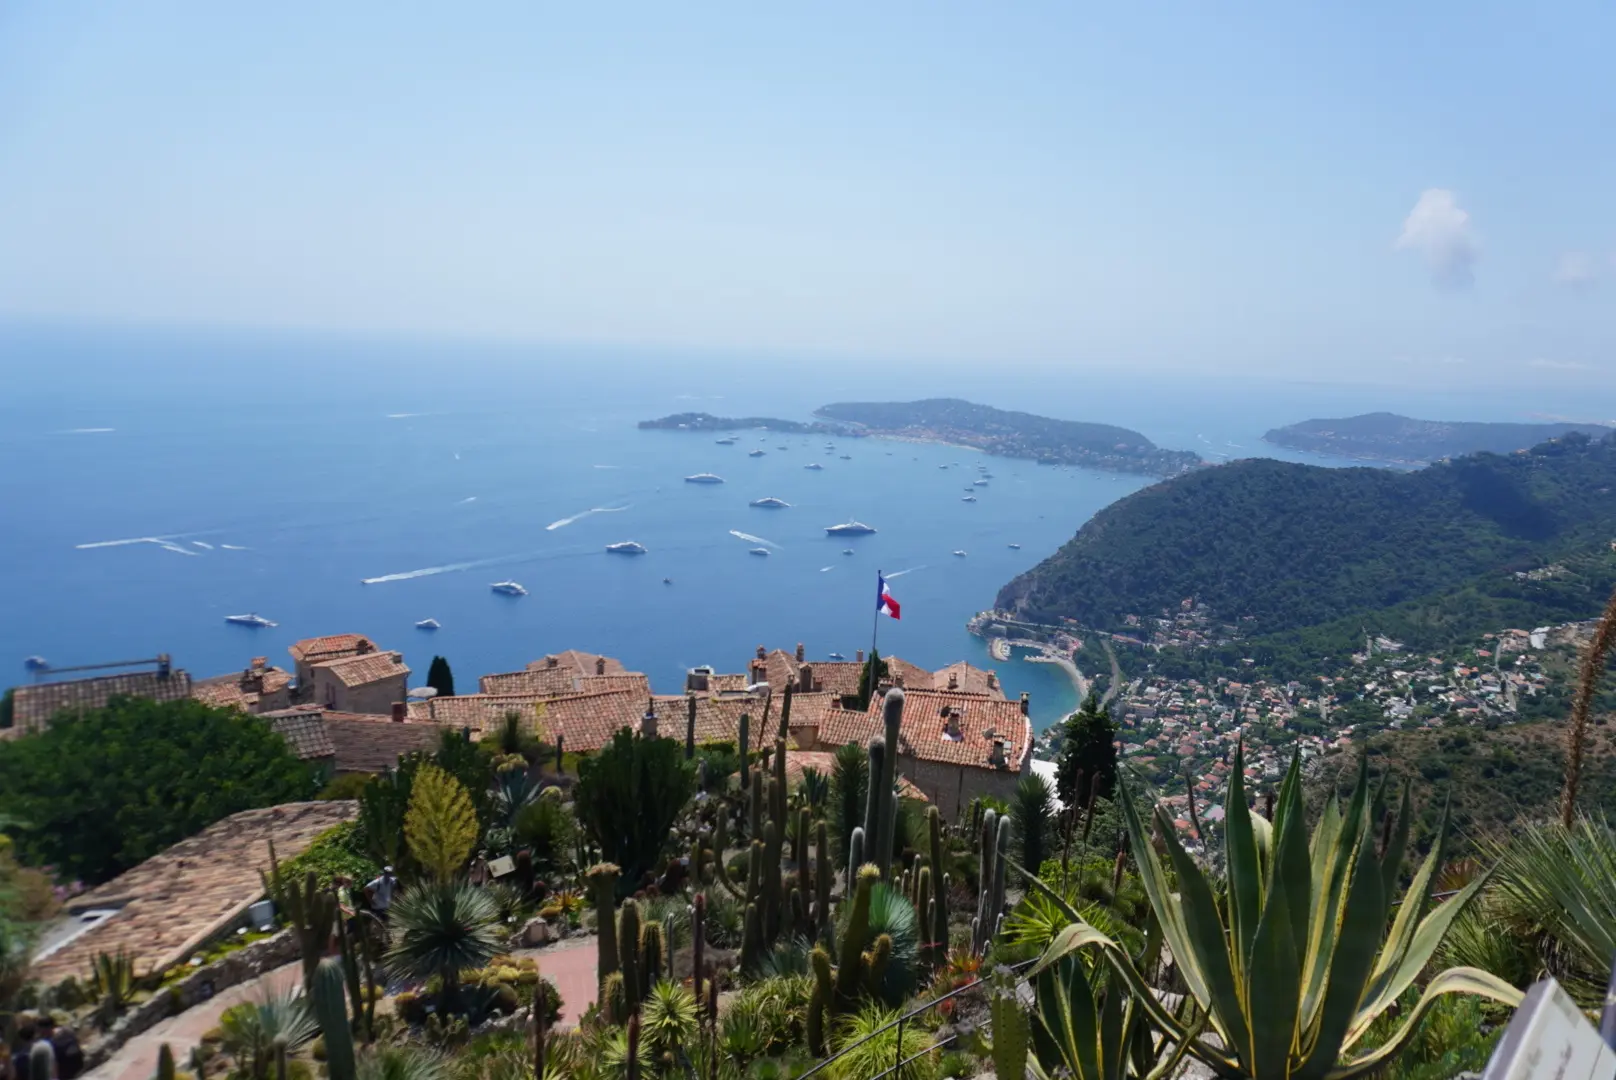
(752,938)
(629,948)
(785,710)
(602,878)
(653,954)
(614,998)
(822,880)
(327,1005)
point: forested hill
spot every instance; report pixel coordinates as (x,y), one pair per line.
(1386,436)
(1297,546)
(1014,434)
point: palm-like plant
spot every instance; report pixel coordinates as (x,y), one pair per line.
(891,914)
(442,928)
(814,787)
(255,1030)
(1292,968)
(870,1040)
(668,1019)
(1030,813)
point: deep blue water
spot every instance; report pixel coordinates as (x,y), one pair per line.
(445,467)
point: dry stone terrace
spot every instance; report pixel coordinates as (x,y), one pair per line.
(169,905)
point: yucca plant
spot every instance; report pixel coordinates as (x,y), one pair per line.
(1297,961)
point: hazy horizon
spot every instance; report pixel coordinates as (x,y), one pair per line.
(1376,196)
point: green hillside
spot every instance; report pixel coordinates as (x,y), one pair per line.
(1388,437)
(1312,554)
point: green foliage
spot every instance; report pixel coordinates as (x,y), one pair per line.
(668,1020)
(1088,755)
(251,1030)
(867,1050)
(113,981)
(849,782)
(1458,1036)
(97,794)
(1031,817)
(892,916)
(339,851)
(440,678)
(346,786)
(440,826)
(875,669)
(547,828)
(382,806)
(441,929)
(774,1009)
(1300,546)
(628,797)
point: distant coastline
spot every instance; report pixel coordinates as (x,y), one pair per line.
(1387,438)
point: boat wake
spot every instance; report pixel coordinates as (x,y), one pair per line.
(447,568)
(750,539)
(165,542)
(468,499)
(403,415)
(900,573)
(203,544)
(87,431)
(606,466)
(826,569)
(233,547)
(564,522)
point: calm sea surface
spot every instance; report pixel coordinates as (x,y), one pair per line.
(275,474)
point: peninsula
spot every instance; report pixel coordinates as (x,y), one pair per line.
(962,423)
(1402,440)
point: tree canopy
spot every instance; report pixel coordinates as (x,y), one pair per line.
(1088,754)
(97,794)
(440,678)
(627,798)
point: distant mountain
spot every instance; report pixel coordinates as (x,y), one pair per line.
(1460,547)
(700,421)
(1015,434)
(1388,437)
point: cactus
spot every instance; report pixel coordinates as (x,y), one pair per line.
(862,962)
(614,998)
(936,925)
(850,968)
(327,1004)
(602,878)
(720,842)
(165,1062)
(41,1062)
(924,908)
(874,807)
(855,850)
(628,938)
(746,748)
(538,1026)
(690,726)
(752,938)
(561,760)
(653,954)
(818,1000)
(311,911)
(1011,1034)
(633,1071)
(785,709)
(892,716)
(799,845)
(698,946)
(822,880)
(357,959)
(993,855)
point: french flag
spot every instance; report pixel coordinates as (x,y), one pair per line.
(884,603)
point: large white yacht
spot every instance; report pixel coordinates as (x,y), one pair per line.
(770,503)
(254,620)
(428,624)
(704,478)
(849,528)
(508,588)
(626,547)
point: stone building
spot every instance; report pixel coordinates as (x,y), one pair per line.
(34,706)
(259,688)
(320,650)
(369,682)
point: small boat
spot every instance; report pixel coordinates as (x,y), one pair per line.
(942,466)
(428,624)
(969,498)
(980,483)
(726,442)
(1015,547)
(847,457)
(756,453)
(847,551)
(508,588)
(770,503)
(667,581)
(36,663)
(816,466)
(704,478)
(961,554)
(849,528)
(626,547)
(254,620)
(781,448)
(759,551)
(837,656)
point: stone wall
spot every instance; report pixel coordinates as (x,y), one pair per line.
(238,967)
(951,788)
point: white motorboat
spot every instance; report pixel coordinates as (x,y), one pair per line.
(759,551)
(815,466)
(962,554)
(508,588)
(756,453)
(849,528)
(626,547)
(770,503)
(1015,547)
(837,656)
(969,498)
(254,620)
(980,483)
(726,442)
(847,551)
(428,624)
(704,478)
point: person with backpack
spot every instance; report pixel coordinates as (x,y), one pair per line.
(65,1043)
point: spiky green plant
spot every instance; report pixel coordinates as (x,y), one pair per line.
(442,929)
(1297,963)
(112,977)
(401,1063)
(870,1041)
(252,1029)
(1031,811)
(667,1020)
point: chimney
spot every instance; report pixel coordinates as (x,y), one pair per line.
(696,680)
(600,665)
(802,654)
(859,656)
(951,727)
(648,722)
(400,711)
(164,664)
(550,662)
(953,680)
(760,672)
(805,678)
(364,646)
(1026,703)
(762,653)
(996,756)
(993,680)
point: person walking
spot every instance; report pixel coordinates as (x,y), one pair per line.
(380,892)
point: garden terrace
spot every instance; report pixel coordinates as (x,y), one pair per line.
(170,904)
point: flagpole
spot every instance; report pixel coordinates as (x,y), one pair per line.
(875,629)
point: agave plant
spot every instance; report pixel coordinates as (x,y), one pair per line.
(255,1031)
(668,1019)
(1296,963)
(442,928)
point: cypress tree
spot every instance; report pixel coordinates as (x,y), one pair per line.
(440,678)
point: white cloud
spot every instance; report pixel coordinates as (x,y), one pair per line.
(1576,269)
(1441,234)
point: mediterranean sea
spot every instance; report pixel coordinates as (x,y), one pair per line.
(154,482)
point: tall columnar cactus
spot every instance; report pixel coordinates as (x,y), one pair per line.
(936,924)
(614,998)
(746,748)
(628,937)
(310,910)
(752,938)
(923,903)
(993,853)
(602,879)
(698,946)
(875,806)
(823,873)
(785,709)
(892,717)
(165,1062)
(539,1032)
(330,1012)
(633,1065)
(862,961)
(42,1062)
(653,956)
(690,726)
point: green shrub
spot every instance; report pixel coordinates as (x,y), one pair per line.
(338,850)
(347,786)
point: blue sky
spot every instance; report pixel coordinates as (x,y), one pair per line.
(1376,191)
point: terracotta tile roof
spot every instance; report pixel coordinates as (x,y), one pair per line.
(305,734)
(34,706)
(632,681)
(581,663)
(537,682)
(836,676)
(369,744)
(908,675)
(922,736)
(172,902)
(968,680)
(588,721)
(314,650)
(838,727)
(718,719)
(241,691)
(824,762)
(479,712)
(367,668)
(727,683)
